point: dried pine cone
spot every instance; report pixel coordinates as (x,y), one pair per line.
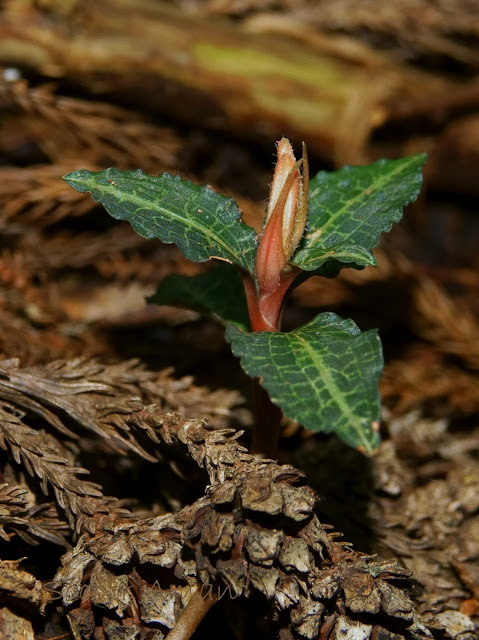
(253,530)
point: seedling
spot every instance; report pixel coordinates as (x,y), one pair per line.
(324,374)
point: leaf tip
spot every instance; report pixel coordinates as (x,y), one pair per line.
(422,157)
(370,445)
(76,179)
(369,451)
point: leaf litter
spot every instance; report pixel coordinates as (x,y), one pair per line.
(70,404)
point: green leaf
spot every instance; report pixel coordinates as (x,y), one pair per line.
(218,292)
(324,375)
(203,223)
(350,208)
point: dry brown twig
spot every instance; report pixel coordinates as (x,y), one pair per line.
(417,380)
(112,403)
(427,375)
(37,196)
(17,586)
(173,59)
(410,29)
(72,133)
(32,523)
(43,457)
(99,398)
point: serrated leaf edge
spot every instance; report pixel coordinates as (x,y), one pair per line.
(419,158)
(110,174)
(349,327)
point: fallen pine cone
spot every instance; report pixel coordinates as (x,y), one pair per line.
(254,530)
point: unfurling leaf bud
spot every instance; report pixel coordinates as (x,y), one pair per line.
(286,217)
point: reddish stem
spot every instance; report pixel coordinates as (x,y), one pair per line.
(264,309)
(270,304)
(265,315)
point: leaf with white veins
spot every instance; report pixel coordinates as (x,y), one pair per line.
(323,375)
(203,223)
(350,208)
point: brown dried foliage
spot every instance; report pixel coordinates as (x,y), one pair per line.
(71,133)
(442,368)
(253,533)
(40,288)
(42,456)
(33,523)
(88,399)
(433,524)
(16,586)
(76,129)
(447,323)
(254,530)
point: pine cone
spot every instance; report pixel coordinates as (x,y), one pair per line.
(254,530)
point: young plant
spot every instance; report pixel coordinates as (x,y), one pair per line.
(324,374)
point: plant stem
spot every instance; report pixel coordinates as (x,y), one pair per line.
(267,424)
(265,315)
(265,311)
(191,616)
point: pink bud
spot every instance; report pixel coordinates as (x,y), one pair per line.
(285,163)
(285,218)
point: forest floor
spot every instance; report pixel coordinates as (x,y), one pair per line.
(83,358)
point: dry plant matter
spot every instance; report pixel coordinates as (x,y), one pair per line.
(254,530)
(340,93)
(187,521)
(420,30)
